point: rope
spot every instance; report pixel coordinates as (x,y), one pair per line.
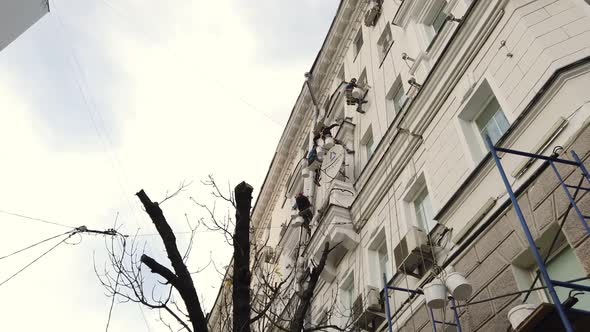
(33,245)
(36,219)
(36,259)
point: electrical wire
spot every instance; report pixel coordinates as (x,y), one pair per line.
(93,111)
(33,245)
(234,94)
(37,259)
(36,219)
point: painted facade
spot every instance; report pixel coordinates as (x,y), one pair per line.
(414,166)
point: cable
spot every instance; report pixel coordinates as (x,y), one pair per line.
(144,319)
(234,94)
(36,219)
(93,111)
(33,245)
(36,259)
(116,285)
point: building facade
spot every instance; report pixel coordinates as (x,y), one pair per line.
(17,16)
(410,190)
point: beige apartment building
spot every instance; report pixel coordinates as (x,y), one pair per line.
(409,189)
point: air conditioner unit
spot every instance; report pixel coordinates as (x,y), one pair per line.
(364,315)
(408,253)
(373,298)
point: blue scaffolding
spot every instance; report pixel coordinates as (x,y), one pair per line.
(386,289)
(549,283)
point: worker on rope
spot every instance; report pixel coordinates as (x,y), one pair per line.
(303,205)
(351,99)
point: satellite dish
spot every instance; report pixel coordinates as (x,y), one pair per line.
(332,164)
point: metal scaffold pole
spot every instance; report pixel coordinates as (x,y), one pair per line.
(533,247)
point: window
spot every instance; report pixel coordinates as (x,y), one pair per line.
(358,42)
(492,121)
(341,74)
(347,293)
(363,81)
(562,266)
(379,261)
(423,210)
(395,99)
(481,116)
(435,21)
(383,256)
(565,266)
(385,41)
(368,144)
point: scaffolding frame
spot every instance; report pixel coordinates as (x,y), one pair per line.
(386,289)
(552,160)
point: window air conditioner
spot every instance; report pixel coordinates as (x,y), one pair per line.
(408,252)
(373,298)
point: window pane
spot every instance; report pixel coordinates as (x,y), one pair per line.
(439,21)
(399,98)
(501,121)
(492,122)
(487,114)
(424,213)
(383,261)
(565,266)
(359,41)
(370,148)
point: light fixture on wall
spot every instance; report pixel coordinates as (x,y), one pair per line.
(406,57)
(502,45)
(412,82)
(452,17)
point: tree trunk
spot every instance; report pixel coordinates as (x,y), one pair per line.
(305,302)
(181,278)
(241,268)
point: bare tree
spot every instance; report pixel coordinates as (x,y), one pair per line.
(272,303)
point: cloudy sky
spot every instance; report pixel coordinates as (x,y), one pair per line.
(101,98)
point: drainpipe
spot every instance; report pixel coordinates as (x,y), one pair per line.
(310,190)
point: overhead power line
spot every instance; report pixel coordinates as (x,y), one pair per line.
(33,245)
(38,258)
(36,219)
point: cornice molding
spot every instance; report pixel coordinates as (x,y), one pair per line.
(323,72)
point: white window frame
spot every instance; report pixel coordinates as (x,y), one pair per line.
(524,267)
(347,287)
(428,32)
(471,138)
(385,41)
(424,221)
(368,145)
(376,269)
(415,190)
(358,37)
(390,99)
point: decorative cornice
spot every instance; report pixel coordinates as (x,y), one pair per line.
(323,71)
